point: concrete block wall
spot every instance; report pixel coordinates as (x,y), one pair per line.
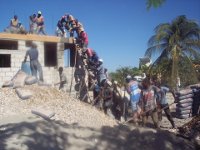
(50,73)
(17,56)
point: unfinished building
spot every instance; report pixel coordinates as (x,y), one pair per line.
(53,53)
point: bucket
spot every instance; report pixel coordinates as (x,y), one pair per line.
(26,67)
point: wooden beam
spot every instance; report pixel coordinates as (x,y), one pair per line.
(34,37)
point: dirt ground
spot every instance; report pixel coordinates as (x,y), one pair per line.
(76,125)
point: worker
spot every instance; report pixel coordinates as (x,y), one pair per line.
(148,104)
(133,89)
(34,62)
(60,30)
(14,22)
(13,26)
(63,80)
(33,24)
(82,39)
(91,56)
(40,23)
(163,104)
(71,25)
(21,28)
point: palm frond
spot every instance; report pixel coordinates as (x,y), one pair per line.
(156,49)
(154,3)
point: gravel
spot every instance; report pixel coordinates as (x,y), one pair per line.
(67,109)
(104,131)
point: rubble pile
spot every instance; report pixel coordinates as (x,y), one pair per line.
(67,109)
(191,130)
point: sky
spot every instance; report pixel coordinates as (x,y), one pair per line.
(118,30)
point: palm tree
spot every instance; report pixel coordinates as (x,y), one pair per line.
(154,3)
(175,42)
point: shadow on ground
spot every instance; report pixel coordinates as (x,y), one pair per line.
(40,134)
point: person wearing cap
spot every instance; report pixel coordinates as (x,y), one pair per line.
(133,89)
(63,80)
(100,75)
(40,23)
(34,62)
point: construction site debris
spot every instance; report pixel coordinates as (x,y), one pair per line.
(23,93)
(43,112)
(67,109)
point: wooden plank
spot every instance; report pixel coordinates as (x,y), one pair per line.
(34,37)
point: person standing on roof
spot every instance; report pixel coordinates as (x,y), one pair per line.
(33,24)
(34,63)
(71,25)
(40,23)
(60,30)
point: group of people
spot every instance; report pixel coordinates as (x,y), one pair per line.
(69,24)
(15,26)
(148,98)
(36,25)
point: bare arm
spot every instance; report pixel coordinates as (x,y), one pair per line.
(25,58)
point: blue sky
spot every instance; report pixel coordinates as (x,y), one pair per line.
(118,29)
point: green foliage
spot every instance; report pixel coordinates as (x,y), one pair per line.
(177,44)
(121,73)
(154,3)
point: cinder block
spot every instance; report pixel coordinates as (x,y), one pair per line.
(6,69)
(9,74)
(43,112)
